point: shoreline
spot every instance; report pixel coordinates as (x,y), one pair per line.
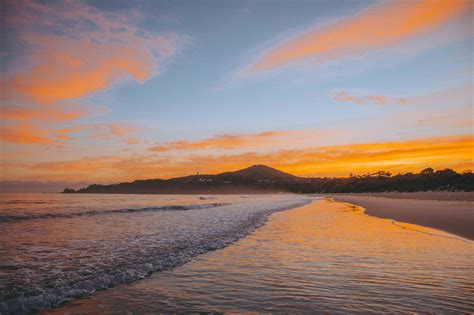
(418,195)
(306,259)
(247,217)
(448,212)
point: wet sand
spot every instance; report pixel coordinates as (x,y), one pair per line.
(421,195)
(449,212)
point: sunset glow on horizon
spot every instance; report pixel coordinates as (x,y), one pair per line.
(110,91)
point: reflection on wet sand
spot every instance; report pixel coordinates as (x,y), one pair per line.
(326,256)
(455,216)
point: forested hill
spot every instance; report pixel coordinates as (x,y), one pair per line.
(264,179)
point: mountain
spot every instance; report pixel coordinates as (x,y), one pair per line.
(254,179)
(260,172)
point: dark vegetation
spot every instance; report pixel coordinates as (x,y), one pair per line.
(264,179)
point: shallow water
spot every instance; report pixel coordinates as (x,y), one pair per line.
(55,248)
(323,257)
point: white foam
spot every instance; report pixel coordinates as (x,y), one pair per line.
(170,239)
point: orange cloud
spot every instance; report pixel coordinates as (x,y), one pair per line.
(74,49)
(132,141)
(25,134)
(461,94)
(121,131)
(345,96)
(56,78)
(380,26)
(261,140)
(227,141)
(33,134)
(401,156)
(48,113)
(69,50)
(111,130)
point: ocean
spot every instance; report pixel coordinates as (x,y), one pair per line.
(58,247)
(229,253)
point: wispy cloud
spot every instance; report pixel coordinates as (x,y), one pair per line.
(122,131)
(233,141)
(54,113)
(380,26)
(461,94)
(348,96)
(395,156)
(25,134)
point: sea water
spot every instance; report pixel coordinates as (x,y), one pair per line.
(324,257)
(59,247)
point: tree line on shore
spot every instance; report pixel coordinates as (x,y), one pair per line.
(264,179)
(427,180)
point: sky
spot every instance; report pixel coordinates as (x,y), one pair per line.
(111,91)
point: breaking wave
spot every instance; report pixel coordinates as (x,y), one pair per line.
(164,240)
(39,216)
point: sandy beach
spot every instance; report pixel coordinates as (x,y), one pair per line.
(452,212)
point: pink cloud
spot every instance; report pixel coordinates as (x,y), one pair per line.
(461,94)
(380,26)
(240,141)
(347,96)
(73,50)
